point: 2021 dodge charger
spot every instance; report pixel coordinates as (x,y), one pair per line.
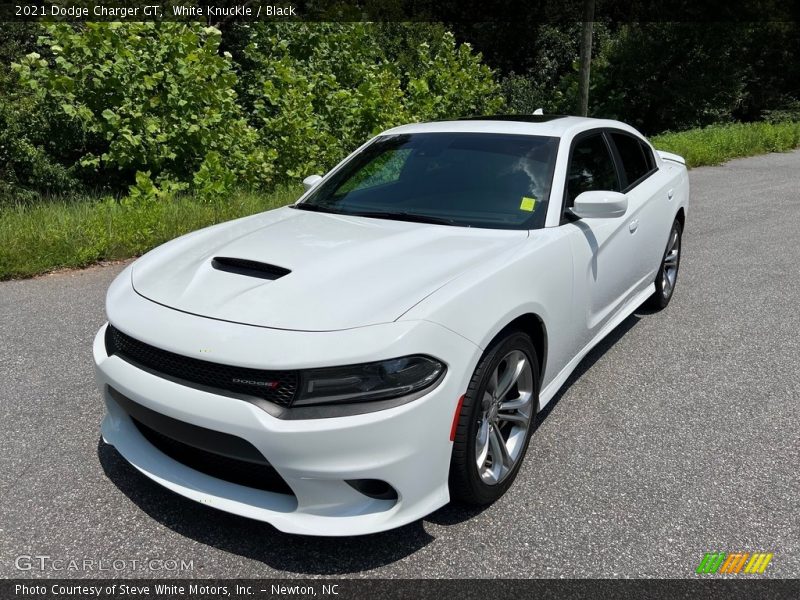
(351,362)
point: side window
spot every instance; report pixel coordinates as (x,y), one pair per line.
(590,168)
(634,161)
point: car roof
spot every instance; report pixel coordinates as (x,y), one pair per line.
(545,125)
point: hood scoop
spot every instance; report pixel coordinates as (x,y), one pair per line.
(248,268)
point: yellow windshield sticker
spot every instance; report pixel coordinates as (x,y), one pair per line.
(527,204)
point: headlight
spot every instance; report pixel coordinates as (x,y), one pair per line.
(369,381)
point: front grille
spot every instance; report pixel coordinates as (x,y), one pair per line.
(279,387)
(259,476)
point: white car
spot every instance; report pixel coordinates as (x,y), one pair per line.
(352,362)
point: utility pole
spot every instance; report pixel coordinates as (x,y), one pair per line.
(586,57)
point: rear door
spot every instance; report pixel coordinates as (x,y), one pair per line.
(647,220)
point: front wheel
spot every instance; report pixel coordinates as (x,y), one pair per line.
(495,423)
(667,275)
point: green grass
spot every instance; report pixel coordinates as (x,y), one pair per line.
(54,234)
(715,144)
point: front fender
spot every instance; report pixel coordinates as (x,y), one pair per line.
(534,279)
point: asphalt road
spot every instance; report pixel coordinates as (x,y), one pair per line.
(678,436)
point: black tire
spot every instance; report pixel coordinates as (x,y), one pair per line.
(664,289)
(466,484)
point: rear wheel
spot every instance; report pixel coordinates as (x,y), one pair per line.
(495,423)
(667,276)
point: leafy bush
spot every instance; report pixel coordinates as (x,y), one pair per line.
(103,102)
(448,80)
(317,90)
(16,40)
(156,97)
(26,168)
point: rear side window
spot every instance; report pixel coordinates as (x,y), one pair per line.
(590,168)
(635,162)
(648,156)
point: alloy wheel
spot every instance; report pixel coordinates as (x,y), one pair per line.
(507,407)
(669,269)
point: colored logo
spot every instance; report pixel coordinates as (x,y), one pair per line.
(734,562)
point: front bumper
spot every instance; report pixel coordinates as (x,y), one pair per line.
(407,446)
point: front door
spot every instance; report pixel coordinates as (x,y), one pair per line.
(602,249)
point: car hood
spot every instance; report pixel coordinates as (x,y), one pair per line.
(345,271)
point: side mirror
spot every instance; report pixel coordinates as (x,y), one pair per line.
(311,181)
(600,205)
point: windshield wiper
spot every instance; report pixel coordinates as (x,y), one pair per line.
(397,216)
(404,216)
(313,208)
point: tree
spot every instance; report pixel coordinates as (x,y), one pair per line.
(660,76)
(586,57)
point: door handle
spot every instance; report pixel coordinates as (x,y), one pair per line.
(670,194)
(633,226)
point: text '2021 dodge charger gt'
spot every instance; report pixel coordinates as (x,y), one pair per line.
(351,362)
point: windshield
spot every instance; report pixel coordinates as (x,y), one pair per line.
(469,179)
